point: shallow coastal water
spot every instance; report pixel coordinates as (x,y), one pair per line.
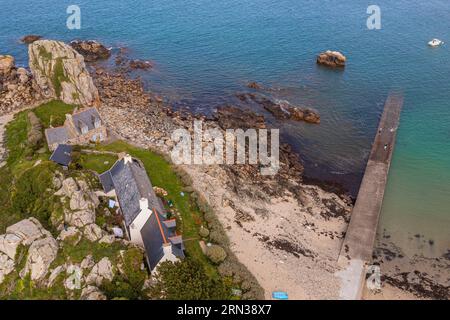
(206,51)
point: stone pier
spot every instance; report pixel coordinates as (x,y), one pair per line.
(357,248)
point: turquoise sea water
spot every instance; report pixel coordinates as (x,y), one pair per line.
(206,51)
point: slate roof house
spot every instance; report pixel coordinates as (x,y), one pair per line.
(62,155)
(144,215)
(81,127)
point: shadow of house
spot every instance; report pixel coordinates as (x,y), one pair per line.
(81,127)
(144,216)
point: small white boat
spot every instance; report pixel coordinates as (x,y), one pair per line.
(435,43)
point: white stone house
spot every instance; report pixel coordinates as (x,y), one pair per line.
(143,213)
(81,127)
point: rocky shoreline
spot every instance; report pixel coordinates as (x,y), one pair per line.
(278,226)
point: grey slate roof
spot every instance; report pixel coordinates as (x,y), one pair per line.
(131,183)
(106,181)
(58,135)
(86,117)
(156,235)
(62,155)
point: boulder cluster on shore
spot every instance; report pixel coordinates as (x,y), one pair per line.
(16,86)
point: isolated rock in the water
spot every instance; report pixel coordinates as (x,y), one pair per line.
(254,85)
(60,72)
(91,50)
(139,64)
(331,59)
(6,64)
(30,38)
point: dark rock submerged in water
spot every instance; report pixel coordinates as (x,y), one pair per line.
(331,59)
(139,64)
(254,85)
(230,117)
(30,38)
(91,50)
(282,110)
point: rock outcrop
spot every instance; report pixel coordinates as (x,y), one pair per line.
(103,270)
(40,255)
(82,203)
(28,231)
(6,266)
(16,88)
(331,59)
(92,293)
(139,64)
(42,251)
(6,64)
(93,232)
(60,72)
(91,50)
(281,110)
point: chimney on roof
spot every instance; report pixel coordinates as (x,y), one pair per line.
(143,204)
(167,248)
(127,159)
(97,122)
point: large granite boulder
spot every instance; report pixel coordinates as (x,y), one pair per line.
(40,255)
(92,293)
(70,235)
(103,270)
(28,231)
(91,50)
(6,64)
(9,244)
(60,72)
(79,218)
(331,59)
(54,274)
(93,232)
(6,266)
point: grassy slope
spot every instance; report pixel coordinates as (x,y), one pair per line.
(97,162)
(21,158)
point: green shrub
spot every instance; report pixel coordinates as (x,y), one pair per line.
(187,280)
(216,254)
(33,193)
(203,232)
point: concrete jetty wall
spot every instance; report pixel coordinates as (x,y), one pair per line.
(359,240)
